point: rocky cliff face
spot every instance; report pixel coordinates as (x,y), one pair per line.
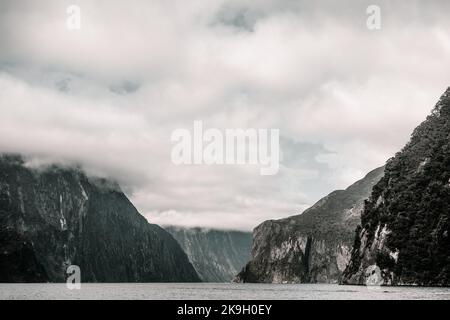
(53,218)
(216,255)
(312,247)
(406,222)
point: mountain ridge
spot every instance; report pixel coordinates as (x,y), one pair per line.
(217,255)
(313,246)
(405,226)
(55,217)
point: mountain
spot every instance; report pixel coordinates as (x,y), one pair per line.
(405,232)
(55,217)
(216,255)
(311,247)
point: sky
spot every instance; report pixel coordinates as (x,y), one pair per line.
(108,96)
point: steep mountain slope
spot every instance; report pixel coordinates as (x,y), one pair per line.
(312,247)
(406,222)
(216,255)
(52,218)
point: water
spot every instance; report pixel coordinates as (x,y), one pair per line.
(219,291)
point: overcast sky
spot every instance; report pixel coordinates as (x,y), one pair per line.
(108,96)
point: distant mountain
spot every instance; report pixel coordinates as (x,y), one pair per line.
(216,255)
(313,246)
(405,233)
(55,217)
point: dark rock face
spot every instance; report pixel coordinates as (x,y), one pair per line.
(53,218)
(216,255)
(313,247)
(405,225)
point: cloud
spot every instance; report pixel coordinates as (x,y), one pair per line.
(108,96)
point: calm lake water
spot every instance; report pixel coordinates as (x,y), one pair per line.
(220,291)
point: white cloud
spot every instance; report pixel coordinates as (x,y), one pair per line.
(108,96)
